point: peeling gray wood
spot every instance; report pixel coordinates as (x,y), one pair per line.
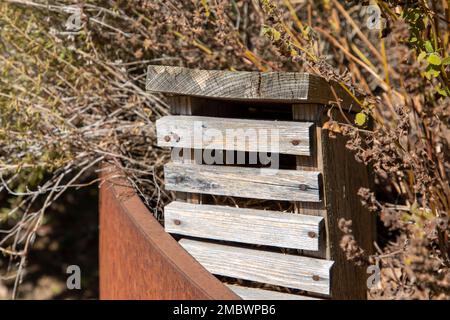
(284,137)
(261,227)
(242,85)
(247,293)
(256,183)
(285,270)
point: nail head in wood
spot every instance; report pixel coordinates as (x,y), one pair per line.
(295,142)
(315,277)
(303,187)
(176,222)
(167,138)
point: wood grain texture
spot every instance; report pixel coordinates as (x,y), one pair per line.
(291,271)
(284,137)
(261,227)
(247,293)
(342,176)
(288,87)
(256,183)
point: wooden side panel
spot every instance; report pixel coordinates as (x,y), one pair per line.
(290,87)
(247,293)
(184,105)
(251,226)
(291,271)
(196,132)
(290,185)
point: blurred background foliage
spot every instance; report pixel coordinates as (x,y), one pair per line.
(72,95)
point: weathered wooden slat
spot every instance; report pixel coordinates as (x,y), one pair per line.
(344,175)
(257,183)
(284,137)
(247,293)
(270,228)
(184,105)
(242,85)
(291,271)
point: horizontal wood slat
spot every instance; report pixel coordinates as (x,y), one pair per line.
(291,271)
(247,293)
(251,226)
(286,87)
(271,184)
(195,132)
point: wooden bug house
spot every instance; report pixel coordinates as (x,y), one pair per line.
(274,227)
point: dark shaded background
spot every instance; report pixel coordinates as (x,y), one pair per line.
(69,236)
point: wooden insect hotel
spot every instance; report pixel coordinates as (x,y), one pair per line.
(266,228)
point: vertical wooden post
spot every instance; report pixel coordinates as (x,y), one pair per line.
(342,178)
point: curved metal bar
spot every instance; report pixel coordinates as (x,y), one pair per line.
(139,260)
